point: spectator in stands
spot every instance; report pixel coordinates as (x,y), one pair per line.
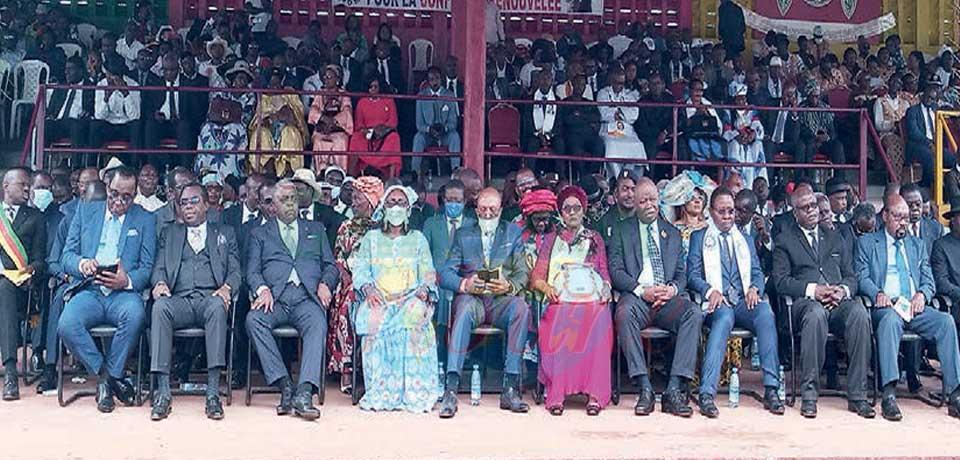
(278,125)
(925,229)
(46,50)
(116,112)
(540,129)
(129,46)
(387,65)
(332,119)
(676,73)
(828,75)
(171,113)
(143,70)
(850,66)
(580,124)
(945,70)
(744,135)
(917,65)
(352,31)
(437,121)
(819,127)
(624,196)
(756,94)
(619,138)
(950,97)
(888,110)
(919,123)
(731,27)
(655,124)
(69,110)
(228,116)
(701,126)
(351,67)
(217,50)
(147,182)
(375,129)
(385,35)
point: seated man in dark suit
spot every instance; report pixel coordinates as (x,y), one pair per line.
(24,248)
(308,208)
(724,270)
(945,260)
(290,268)
(69,110)
(492,244)
(194,277)
(920,124)
(581,125)
(647,269)
(893,268)
(811,265)
(109,255)
(752,224)
(167,113)
(540,126)
(925,229)
(785,127)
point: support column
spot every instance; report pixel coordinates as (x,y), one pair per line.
(470,45)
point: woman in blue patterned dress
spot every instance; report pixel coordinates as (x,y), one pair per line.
(222,132)
(396,288)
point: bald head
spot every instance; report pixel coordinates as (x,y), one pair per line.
(488,203)
(16,186)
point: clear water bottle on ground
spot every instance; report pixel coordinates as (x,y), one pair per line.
(734,393)
(755,355)
(782,389)
(475,392)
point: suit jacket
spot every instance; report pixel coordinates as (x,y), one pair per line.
(626,256)
(915,126)
(221,244)
(269,263)
(696,278)
(58,97)
(194,105)
(527,126)
(138,240)
(952,184)
(395,70)
(780,222)
(795,265)
(930,232)
(871,264)
(430,112)
(438,238)
(466,257)
(330,218)
(30,228)
(68,209)
(945,263)
(166,216)
(763,252)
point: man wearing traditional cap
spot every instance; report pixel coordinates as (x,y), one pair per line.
(837,190)
(744,135)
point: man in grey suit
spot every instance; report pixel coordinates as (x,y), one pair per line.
(168,214)
(440,231)
(196,272)
(647,268)
(491,245)
(811,265)
(892,266)
(945,259)
(290,268)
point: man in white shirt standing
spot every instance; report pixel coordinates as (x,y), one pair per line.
(116,111)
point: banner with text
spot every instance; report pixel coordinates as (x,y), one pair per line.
(506,6)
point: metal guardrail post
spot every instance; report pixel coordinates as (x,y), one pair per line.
(938,159)
(676,138)
(863,153)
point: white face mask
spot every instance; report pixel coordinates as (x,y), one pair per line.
(42,198)
(396,215)
(488,225)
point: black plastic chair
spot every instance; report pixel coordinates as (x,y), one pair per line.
(283,332)
(98,332)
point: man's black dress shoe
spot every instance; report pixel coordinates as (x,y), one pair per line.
(448,404)
(161,407)
(675,402)
(510,400)
(123,390)
(286,400)
(11,389)
(645,401)
(48,382)
(889,409)
(772,402)
(105,402)
(303,405)
(808,408)
(708,407)
(861,408)
(214,409)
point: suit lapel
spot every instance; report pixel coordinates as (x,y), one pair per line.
(127,223)
(178,237)
(495,248)
(302,235)
(213,249)
(881,249)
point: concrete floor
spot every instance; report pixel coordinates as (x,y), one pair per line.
(36,428)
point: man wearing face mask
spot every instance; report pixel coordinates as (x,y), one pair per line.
(290,268)
(109,255)
(493,250)
(893,268)
(23,242)
(440,231)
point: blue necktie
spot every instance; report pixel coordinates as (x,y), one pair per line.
(902,271)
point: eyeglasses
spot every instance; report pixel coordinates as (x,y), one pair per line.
(724,211)
(571,209)
(115,195)
(192,200)
(808,207)
(267,200)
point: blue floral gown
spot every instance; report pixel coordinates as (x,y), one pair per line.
(397,340)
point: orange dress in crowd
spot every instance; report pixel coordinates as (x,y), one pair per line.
(371,112)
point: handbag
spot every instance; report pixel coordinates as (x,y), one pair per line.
(224,111)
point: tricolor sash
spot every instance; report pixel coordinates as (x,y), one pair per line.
(14,249)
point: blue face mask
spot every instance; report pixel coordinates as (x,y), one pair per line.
(453,210)
(42,198)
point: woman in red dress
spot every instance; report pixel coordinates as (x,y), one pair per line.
(375,130)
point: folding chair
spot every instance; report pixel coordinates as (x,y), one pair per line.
(283,332)
(648,335)
(98,332)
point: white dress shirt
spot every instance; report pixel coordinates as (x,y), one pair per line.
(197,237)
(247,214)
(646,278)
(165,108)
(150,203)
(118,109)
(11,210)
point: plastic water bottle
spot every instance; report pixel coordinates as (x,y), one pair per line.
(755,355)
(782,389)
(475,386)
(734,389)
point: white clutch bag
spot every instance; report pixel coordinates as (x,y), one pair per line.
(578,283)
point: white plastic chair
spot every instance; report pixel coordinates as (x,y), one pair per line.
(70,49)
(87,34)
(27,78)
(292,42)
(619,43)
(420,52)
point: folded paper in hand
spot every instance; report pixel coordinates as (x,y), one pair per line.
(902,307)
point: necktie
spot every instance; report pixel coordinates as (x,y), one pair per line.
(173,101)
(655,260)
(916,230)
(814,243)
(289,240)
(196,240)
(453,228)
(304,214)
(11,214)
(65,112)
(384,71)
(902,272)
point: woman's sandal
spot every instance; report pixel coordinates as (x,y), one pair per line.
(593,408)
(556,410)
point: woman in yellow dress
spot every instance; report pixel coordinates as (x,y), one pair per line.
(278,125)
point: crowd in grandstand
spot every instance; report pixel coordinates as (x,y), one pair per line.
(351,253)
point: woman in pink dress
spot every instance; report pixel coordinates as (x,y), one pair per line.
(332,118)
(576,331)
(375,130)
